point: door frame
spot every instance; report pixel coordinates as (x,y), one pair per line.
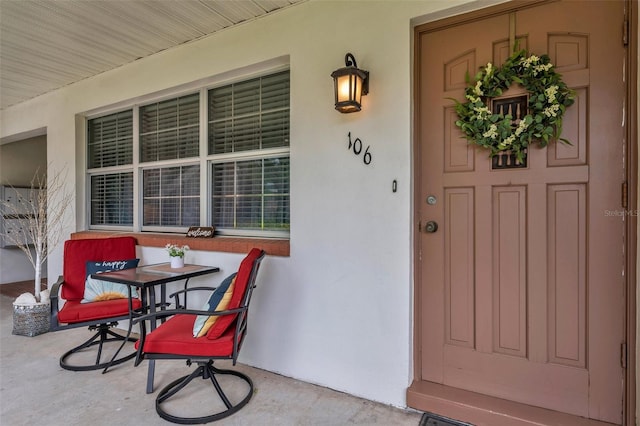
(631,387)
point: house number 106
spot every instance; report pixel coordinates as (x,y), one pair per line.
(356,145)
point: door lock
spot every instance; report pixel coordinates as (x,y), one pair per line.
(431,227)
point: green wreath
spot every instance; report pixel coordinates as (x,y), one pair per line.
(549,97)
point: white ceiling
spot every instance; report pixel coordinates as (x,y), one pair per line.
(47,44)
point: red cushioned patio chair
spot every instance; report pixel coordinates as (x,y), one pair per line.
(175,339)
(99,316)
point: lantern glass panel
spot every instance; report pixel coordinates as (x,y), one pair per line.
(348,89)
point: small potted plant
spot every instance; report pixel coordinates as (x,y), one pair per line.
(176,254)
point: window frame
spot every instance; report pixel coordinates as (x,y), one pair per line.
(204,159)
(247,156)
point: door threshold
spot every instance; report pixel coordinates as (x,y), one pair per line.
(483,410)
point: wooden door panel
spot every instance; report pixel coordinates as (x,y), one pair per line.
(522,288)
(566,283)
(574,123)
(456,70)
(509,270)
(457,157)
(459,272)
(501,50)
(566,389)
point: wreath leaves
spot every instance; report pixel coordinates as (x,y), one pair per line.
(549,97)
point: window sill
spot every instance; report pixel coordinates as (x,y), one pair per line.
(273,247)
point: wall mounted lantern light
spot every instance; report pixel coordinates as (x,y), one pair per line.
(350,83)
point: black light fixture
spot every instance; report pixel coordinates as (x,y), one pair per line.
(349,84)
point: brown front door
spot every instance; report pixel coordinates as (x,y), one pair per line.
(521,287)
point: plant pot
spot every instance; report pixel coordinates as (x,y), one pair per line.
(31,320)
(177,262)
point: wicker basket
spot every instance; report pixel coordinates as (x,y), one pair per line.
(31,320)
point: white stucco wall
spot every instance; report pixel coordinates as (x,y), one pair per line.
(338,311)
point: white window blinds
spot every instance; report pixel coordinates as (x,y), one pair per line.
(110,140)
(171,196)
(250,118)
(250,115)
(251,195)
(169,130)
(110,144)
(112,199)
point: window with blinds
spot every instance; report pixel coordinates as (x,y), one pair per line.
(250,119)
(112,199)
(252,194)
(110,145)
(250,115)
(170,129)
(110,140)
(244,161)
(171,196)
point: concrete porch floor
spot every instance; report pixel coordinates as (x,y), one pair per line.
(34,390)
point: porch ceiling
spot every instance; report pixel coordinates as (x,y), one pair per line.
(48,44)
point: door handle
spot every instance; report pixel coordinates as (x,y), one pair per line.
(431,227)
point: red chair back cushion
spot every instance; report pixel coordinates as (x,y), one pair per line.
(78,252)
(242,279)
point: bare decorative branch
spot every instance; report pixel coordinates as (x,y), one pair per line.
(41,219)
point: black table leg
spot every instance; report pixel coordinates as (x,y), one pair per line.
(152,326)
(128,335)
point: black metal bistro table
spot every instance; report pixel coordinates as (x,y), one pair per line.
(146,279)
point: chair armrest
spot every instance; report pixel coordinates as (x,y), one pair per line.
(171,312)
(53,300)
(176,295)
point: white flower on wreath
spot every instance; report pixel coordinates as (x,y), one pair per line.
(507,142)
(472,99)
(550,93)
(551,111)
(541,68)
(492,133)
(489,69)
(482,113)
(521,128)
(478,89)
(529,61)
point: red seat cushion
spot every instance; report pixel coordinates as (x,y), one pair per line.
(176,337)
(78,252)
(74,312)
(242,278)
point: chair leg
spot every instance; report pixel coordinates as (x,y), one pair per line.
(103,335)
(205,370)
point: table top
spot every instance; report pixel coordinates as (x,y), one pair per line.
(150,275)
